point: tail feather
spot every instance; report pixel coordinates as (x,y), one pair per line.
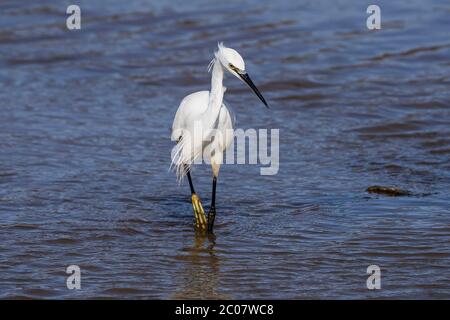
(177,164)
(182,158)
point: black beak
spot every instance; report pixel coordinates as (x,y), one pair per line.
(247,80)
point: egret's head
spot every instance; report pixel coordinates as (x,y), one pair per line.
(232,61)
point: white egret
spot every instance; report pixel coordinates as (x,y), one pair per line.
(205,109)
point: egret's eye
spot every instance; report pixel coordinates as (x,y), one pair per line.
(232,67)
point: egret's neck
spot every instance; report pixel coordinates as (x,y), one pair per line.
(217,78)
(217,90)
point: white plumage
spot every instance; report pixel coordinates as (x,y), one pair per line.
(203,127)
(205,110)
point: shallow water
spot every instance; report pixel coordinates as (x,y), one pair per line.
(85,148)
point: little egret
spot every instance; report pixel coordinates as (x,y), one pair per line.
(206,111)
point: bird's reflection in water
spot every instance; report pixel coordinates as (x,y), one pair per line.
(201,273)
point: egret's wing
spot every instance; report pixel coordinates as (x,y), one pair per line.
(186,151)
(190,109)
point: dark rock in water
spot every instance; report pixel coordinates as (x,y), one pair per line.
(389,191)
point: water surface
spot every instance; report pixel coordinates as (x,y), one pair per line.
(85,145)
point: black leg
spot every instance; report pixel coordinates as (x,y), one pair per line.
(190,181)
(212,209)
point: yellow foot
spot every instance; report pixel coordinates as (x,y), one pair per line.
(199,213)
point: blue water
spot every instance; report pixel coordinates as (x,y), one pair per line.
(85,121)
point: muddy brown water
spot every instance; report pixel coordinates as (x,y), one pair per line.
(85,150)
